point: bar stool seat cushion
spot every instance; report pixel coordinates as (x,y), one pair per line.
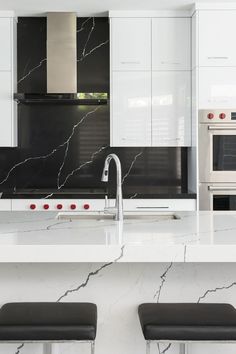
(35,321)
(188,321)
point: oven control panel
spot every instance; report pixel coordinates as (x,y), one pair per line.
(217,116)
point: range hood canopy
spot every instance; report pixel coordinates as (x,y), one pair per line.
(62,98)
(62,65)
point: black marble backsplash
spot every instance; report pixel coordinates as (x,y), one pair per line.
(64,147)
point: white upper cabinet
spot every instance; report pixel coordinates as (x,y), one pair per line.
(171,108)
(131,44)
(216,38)
(217,88)
(171,44)
(5,44)
(6,109)
(8,117)
(131,109)
(150,81)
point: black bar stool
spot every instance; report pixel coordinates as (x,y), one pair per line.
(187,322)
(48,322)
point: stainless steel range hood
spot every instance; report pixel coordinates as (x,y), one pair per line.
(62,65)
(61,52)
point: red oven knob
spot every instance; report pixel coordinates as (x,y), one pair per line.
(59,206)
(210,115)
(73,206)
(32,206)
(222,116)
(46,206)
(86,206)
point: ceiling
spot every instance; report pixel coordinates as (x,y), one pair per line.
(94,7)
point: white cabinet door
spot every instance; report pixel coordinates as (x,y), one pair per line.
(171,44)
(217,88)
(217,38)
(5,109)
(131,109)
(131,44)
(5,44)
(171,108)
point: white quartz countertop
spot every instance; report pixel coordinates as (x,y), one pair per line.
(40,237)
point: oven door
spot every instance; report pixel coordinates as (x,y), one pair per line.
(217,197)
(217,153)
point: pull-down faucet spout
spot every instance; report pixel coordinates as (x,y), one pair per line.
(118,209)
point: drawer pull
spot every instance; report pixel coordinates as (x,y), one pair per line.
(222,58)
(154,207)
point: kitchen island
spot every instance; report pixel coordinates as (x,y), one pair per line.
(53,237)
(183,257)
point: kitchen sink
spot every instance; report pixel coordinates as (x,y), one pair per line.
(128,216)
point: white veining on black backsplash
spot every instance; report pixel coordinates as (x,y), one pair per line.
(67,144)
(32,70)
(64,144)
(75,170)
(131,166)
(84,52)
(82,27)
(134,196)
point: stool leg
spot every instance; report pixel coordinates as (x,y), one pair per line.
(148,347)
(92,347)
(47,348)
(182,348)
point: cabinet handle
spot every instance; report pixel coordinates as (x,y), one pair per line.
(130,62)
(222,188)
(171,138)
(170,62)
(223,58)
(222,127)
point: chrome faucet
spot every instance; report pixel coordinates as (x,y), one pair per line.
(117,210)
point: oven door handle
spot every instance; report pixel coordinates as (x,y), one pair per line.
(222,188)
(221,127)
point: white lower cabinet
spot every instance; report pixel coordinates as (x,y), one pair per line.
(171,108)
(217,88)
(131,109)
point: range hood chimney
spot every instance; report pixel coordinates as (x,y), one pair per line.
(62,66)
(61,52)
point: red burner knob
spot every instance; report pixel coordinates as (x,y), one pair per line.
(222,116)
(86,206)
(73,206)
(46,206)
(32,206)
(59,206)
(210,116)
